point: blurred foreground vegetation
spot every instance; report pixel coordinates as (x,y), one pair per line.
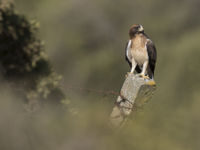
(24,65)
(84,41)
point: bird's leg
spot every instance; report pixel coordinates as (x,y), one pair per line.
(144,68)
(133,67)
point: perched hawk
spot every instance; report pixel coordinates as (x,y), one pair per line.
(140,52)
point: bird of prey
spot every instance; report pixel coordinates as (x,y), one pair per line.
(141,52)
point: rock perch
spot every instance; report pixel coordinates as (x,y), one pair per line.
(134,93)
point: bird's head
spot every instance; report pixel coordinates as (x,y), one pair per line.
(136,29)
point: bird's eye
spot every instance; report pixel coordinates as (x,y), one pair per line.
(136,28)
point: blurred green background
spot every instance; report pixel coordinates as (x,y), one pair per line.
(85,41)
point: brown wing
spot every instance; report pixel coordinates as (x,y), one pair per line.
(151,49)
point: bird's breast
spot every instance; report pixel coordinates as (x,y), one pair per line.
(139,51)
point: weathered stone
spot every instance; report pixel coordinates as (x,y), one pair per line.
(135,92)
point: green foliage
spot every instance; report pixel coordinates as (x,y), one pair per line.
(22,57)
(20,49)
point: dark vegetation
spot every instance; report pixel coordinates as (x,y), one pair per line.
(24,64)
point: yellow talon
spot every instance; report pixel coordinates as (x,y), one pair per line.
(143,76)
(127,74)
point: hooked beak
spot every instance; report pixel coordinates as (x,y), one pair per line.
(141,28)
